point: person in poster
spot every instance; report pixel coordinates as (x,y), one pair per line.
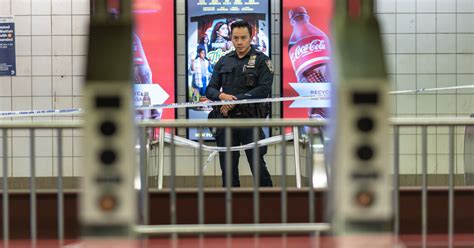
(209,24)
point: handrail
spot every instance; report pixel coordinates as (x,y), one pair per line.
(394,121)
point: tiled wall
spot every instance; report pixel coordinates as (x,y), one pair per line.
(51,40)
(429,43)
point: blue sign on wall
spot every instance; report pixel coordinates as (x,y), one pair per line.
(7,47)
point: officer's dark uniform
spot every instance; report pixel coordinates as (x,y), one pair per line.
(246,78)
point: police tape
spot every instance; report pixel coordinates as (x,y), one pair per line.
(180,141)
(76,111)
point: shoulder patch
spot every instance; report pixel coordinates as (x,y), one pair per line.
(269,65)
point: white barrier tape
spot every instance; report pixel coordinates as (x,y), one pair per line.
(432,89)
(218,103)
(48,112)
(180,141)
(74,111)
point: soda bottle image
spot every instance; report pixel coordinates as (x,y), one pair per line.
(146,102)
(142,70)
(309,52)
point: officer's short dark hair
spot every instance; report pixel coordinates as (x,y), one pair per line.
(241,24)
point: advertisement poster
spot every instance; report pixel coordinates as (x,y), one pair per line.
(153,55)
(7,47)
(306,55)
(208,39)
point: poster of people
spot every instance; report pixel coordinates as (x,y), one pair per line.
(153,55)
(208,39)
(306,55)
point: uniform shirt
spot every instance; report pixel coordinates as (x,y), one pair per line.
(230,76)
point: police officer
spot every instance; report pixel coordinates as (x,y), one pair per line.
(245,73)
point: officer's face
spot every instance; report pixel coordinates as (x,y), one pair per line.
(241,39)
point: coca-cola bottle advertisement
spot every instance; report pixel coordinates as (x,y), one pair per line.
(306,57)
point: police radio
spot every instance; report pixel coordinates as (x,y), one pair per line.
(108,200)
(360,196)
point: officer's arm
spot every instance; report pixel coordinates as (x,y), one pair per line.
(264,80)
(214,88)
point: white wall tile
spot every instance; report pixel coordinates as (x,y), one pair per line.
(406,82)
(23,66)
(66,147)
(448,6)
(5,103)
(465,43)
(446,43)
(77,84)
(426,63)
(406,63)
(62,25)
(80,7)
(21,103)
(465,63)
(68,168)
(406,43)
(62,45)
(62,65)
(406,6)
(425,6)
(446,80)
(21,7)
(21,167)
(446,23)
(465,104)
(61,7)
(406,23)
(5,10)
(426,23)
(41,86)
(389,43)
(80,25)
(446,63)
(21,86)
(44,167)
(426,81)
(43,102)
(79,44)
(446,104)
(41,45)
(41,25)
(465,6)
(6,86)
(62,102)
(465,23)
(23,45)
(426,43)
(465,79)
(44,146)
(41,7)
(79,65)
(41,65)
(22,25)
(406,104)
(387,23)
(426,104)
(62,86)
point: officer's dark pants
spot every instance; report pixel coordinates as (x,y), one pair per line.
(242,136)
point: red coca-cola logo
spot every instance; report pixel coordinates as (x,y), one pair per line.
(316,45)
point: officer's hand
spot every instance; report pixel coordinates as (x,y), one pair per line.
(226,108)
(227,97)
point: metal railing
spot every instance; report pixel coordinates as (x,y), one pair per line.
(256,226)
